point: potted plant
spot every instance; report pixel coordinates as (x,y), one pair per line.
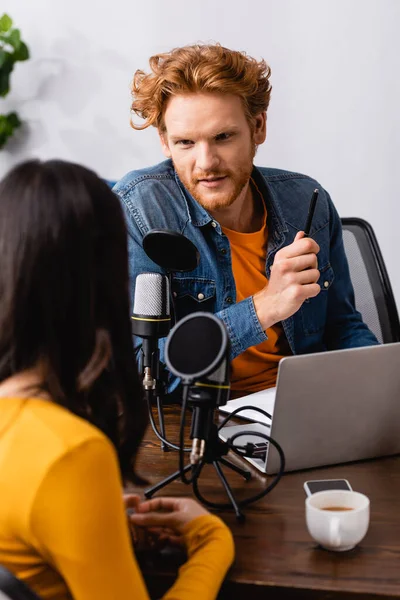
(12,50)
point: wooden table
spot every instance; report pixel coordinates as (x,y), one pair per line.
(275,556)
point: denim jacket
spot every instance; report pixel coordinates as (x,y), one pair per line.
(155,198)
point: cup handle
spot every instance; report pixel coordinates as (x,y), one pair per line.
(334,535)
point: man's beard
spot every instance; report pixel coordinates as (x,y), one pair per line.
(239,178)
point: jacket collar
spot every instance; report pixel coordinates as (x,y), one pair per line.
(275,219)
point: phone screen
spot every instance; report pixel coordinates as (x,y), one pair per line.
(327,484)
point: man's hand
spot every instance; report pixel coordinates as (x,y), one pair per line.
(294,276)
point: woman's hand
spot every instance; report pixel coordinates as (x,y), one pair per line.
(132,502)
(141,539)
(169,514)
(145,535)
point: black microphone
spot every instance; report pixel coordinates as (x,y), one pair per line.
(197,351)
(171,250)
(205,396)
(151,320)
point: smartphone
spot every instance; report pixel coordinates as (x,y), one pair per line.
(319,485)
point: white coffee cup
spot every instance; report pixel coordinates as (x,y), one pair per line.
(337,519)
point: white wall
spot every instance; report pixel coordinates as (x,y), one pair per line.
(334,112)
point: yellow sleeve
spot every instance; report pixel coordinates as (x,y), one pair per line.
(210,554)
(78,524)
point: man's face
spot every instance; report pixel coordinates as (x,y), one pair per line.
(211,145)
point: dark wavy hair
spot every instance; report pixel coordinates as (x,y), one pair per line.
(64,301)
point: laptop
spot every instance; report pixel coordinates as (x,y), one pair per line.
(327,408)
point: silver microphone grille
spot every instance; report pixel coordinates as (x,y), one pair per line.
(152,295)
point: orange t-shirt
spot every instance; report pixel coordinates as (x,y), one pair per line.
(256,368)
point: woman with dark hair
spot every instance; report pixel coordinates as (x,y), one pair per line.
(71,413)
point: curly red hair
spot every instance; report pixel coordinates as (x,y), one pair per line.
(199,68)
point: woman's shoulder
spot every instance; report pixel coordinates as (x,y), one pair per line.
(53,429)
(41,438)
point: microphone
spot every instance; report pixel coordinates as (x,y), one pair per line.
(151,320)
(205,396)
(171,250)
(197,351)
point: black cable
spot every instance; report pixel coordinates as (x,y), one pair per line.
(196,470)
(148,394)
(238,410)
(277,477)
(241,451)
(237,450)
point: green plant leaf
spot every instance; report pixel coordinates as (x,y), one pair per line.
(5,127)
(8,124)
(4,41)
(5,22)
(13,120)
(22,53)
(8,63)
(4,83)
(14,39)
(12,49)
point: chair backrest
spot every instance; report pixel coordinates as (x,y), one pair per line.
(372,289)
(11,588)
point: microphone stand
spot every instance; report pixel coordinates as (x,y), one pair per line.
(154,386)
(173,252)
(215,450)
(205,379)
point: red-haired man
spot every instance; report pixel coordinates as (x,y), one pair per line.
(277,292)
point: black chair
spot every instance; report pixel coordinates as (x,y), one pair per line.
(11,588)
(372,289)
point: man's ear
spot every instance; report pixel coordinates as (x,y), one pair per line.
(164,143)
(260,128)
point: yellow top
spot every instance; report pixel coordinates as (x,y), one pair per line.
(63,527)
(256,368)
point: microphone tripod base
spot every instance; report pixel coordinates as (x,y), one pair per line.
(216,459)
